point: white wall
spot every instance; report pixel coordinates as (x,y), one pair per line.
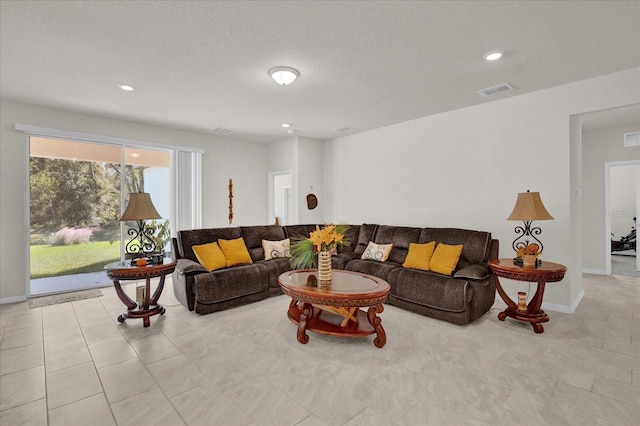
(599,147)
(280,182)
(223,159)
(464,169)
(310,169)
(303,157)
(282,158)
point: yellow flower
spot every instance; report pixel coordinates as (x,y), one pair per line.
(303,250)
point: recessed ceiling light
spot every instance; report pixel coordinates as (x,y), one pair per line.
(285,125)
(126,87)
(284,76)
(493,55)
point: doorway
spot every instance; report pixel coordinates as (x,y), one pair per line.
(281,195)
(622,197)
(77,191)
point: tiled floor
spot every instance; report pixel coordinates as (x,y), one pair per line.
(74,364)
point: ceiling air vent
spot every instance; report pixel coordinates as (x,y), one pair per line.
(631,139)
(343,129)
(500,88)
(221,131)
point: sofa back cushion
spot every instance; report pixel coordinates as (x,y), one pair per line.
(253,236)
(475,244)
(352,236)
(400,236)
(296,231)
(188,238)
(365,235)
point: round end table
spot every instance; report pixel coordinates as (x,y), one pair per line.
(124,271)
(546,272)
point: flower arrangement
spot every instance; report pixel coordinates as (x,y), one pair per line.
(304,250)
(529,250)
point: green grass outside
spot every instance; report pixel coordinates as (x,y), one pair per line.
(53,261)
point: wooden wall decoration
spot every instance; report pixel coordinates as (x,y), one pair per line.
(230,201)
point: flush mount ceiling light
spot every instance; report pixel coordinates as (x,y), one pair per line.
(284,76)
(285,125)
(494,55)
(126,87)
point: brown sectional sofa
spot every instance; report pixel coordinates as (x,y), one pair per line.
(460,298)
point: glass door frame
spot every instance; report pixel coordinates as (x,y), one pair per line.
(123,164)
(186,178)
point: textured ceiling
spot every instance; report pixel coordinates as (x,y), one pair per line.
(201,65)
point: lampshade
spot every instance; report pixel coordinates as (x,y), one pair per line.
(529,207)
(140,207)
(284,76)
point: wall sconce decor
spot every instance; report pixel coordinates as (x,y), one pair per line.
(312,200)
(230,201)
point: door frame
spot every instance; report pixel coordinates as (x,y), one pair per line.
(271,205)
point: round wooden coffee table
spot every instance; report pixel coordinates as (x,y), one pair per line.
(336,310)
(124,271)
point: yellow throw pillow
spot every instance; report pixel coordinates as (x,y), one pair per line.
(210,256)
(235,251)
(419,256)
(276,249)
(445,258)
(379,252)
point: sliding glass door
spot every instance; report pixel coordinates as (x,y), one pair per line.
(77,193)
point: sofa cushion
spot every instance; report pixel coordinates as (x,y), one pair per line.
(377,252)
(210,256)
(235,251)
(188,238)
(430,289)
(445,258)
(419,256)
(365,235)
(476,244)
(299,231)
(352,237)
(340,260)
(475,272)
(371,267)
(230,283)
(276,249)
(275,267)
(253,236)
(400,236)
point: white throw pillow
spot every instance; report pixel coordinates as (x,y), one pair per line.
(275,249)
(379,252)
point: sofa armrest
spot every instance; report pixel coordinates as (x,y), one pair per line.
(476,272)
(189,267)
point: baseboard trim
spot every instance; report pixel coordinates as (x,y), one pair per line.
(14,299)
(564,308)
(594,271)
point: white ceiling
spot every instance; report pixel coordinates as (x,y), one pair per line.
(199,65)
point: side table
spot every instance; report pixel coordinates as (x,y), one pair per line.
(547,272)
(124,271)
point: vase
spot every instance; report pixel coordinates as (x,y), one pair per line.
(522,301)
(529,261)
(324,268)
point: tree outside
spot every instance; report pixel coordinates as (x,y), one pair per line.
(76,203)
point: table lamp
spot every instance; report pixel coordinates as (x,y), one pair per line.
(528,208)
(139,209)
